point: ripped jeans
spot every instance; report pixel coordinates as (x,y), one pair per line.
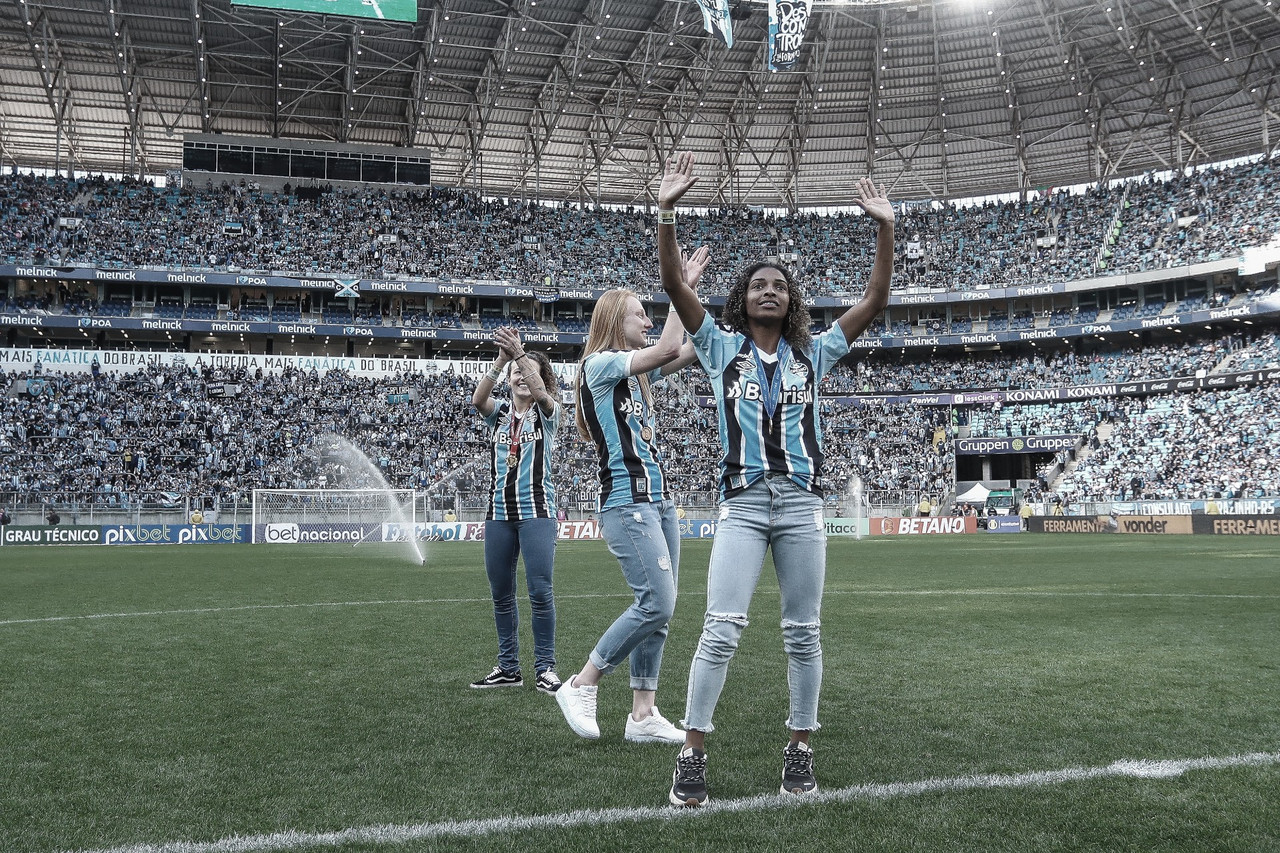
(772,512)
(645,537)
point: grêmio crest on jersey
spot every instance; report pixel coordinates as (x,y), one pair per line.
(742,382)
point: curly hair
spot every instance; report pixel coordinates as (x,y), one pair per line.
(795,326)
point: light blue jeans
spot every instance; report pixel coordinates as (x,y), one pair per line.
(645,537)
(772,512)
(504,542)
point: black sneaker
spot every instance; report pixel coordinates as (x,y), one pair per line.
(797,770)
(499,678)
(548,682)
(689,781)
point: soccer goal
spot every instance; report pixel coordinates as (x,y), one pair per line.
(330,515)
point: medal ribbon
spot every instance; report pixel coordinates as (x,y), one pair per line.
(771,389)
(513,435)
(646,432)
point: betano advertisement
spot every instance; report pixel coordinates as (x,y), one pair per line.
(924,525)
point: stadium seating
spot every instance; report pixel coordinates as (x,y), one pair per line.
(68,445)
(453,233)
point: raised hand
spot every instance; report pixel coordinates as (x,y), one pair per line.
(508,341)
(694,265)
(676,179)
(875,201)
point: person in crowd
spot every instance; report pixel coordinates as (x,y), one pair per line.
(637,514)
(522,500)
(51,516)
(4,517)
(765,367)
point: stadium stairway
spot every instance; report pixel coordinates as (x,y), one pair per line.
(1105,428)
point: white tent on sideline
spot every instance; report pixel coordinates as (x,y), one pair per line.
(977,494)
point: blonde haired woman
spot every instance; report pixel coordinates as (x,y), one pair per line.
(637,515)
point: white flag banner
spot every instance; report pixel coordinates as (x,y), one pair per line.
(715,19)
(787,22)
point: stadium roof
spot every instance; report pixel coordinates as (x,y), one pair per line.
(581,99)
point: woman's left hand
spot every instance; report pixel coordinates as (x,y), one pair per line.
(875,201)
(508,340)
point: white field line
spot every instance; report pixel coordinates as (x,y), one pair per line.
(417,601)
(404,833)
(246,607)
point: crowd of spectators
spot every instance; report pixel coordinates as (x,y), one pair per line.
(452,233)
(154,436)
(167,434)
(887,372)
(1075,417)
(882,372)
(161,435)
(1202,216)
(1213,444)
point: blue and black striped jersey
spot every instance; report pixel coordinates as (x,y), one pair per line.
(621,425)
(755,441)
(520,465)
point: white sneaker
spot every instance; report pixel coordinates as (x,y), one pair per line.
(654,728)
(579,707)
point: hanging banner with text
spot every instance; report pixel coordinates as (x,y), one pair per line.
(788,20)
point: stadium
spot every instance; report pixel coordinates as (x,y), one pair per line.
(255,259)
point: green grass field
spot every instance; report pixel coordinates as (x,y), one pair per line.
(979,693)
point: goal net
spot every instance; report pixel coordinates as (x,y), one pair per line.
(333,515)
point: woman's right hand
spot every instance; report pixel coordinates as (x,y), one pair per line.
(676,179)
(509,346)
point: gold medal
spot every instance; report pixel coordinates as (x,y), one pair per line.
(513,456)
(646,434)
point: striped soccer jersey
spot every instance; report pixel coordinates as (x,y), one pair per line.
(621,425)
(520,466)
(753,442)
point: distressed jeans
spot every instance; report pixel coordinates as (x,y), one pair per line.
(772,512)
(645,537)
